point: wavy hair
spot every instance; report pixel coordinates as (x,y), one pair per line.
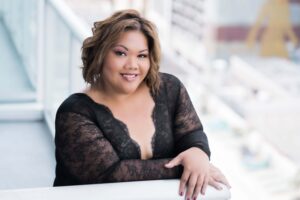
(105,35)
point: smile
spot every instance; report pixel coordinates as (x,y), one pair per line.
(129,77)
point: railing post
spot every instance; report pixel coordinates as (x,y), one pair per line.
(40,51)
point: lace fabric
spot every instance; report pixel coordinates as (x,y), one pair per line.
(94,147)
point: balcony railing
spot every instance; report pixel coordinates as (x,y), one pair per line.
(141,190)
(48,37)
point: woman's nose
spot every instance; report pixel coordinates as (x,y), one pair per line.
(132,63)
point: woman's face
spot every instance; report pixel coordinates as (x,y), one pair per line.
(126,64)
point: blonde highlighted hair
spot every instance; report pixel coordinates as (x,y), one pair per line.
(105,35)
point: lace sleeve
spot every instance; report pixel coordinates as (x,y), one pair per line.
(187,125)
(88,156)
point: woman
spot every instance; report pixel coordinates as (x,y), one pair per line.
(131,120)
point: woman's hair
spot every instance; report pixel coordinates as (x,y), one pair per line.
(105,35)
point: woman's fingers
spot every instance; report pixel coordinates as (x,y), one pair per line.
(174,162)
(215,184)
(205,183)
(191,186)
(221,178)
(196,168)
(202,184)
(183,181)
(197,188)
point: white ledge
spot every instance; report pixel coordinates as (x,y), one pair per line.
(141,190)
(21,111)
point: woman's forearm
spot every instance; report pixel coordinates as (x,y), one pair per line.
(136,170)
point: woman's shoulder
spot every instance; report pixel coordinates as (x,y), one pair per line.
(170,86)
(167,78)
(77,103)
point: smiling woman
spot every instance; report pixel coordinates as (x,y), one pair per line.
(126,65)
(124,69)
(131,123)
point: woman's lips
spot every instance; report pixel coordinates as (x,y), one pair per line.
(129,76)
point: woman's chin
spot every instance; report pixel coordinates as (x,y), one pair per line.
(128,90)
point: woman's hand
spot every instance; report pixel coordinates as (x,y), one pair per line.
(196,169)
(217,177)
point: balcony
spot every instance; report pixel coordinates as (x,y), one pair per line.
(47,49)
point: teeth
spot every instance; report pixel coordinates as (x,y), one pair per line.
(129,77)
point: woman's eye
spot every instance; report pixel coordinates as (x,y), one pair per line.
(120,53)
(143,56)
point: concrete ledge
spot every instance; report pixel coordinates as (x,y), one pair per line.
(141,190)
(21,111)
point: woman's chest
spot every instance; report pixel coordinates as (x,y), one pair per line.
(137,117)
(140,126)
(140,131)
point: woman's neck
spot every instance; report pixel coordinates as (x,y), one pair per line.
(104,94)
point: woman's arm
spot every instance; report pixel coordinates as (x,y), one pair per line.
(195,176)
(188,129)
(193,148)
(88,156)
(191,144)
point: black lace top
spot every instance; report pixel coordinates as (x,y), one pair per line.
(94,147)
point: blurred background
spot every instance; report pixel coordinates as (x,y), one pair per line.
(239,59)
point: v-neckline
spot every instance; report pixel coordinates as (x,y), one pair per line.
(125,127)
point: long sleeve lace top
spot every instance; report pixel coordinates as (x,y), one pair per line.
(94,147)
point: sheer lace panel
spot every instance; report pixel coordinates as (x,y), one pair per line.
(187,127)
(93,147)
(89,158)
(82,148)
(186,119)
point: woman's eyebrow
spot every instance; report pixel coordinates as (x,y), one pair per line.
(120,45)
(143,50)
